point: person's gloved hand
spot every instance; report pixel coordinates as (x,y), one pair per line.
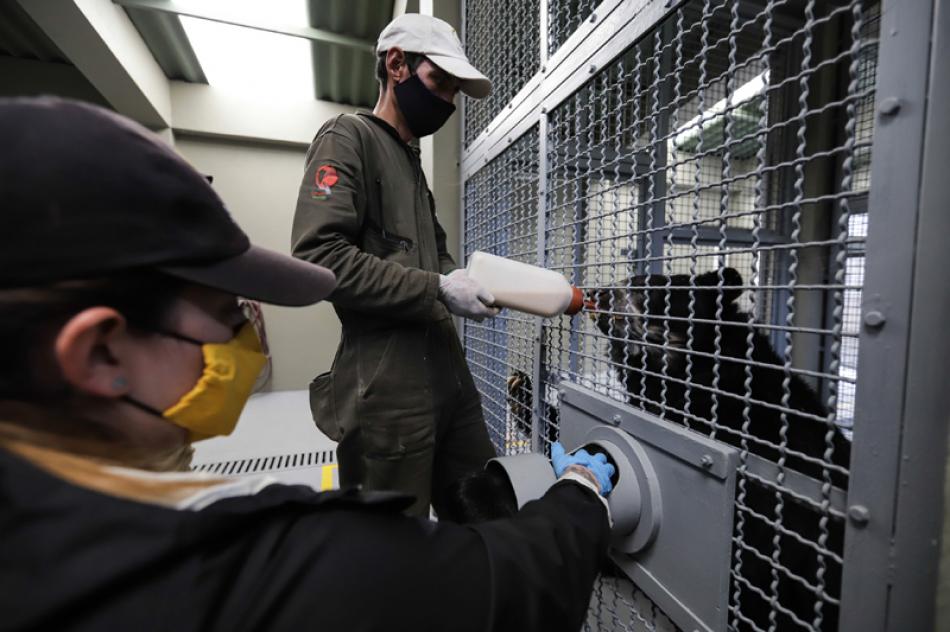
(597,464)
(464,296)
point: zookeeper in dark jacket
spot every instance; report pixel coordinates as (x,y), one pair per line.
(122,344)
(365,212)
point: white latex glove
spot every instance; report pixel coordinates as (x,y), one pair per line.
(464,296)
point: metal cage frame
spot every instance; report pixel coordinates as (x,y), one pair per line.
(895,495)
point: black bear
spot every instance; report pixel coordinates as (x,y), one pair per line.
(685,350)
(479,497)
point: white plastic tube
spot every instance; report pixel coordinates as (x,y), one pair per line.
(524,287)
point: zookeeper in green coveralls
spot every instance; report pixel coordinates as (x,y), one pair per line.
(399,398)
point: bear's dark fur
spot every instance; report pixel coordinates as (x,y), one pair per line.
(479,497)
(660,356)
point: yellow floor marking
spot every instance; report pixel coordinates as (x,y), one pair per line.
(326,477)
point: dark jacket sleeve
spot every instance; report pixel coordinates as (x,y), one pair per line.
(326,230)
(353,570)
(544,561)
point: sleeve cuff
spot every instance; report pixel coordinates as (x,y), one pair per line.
(581,480)
(431,294)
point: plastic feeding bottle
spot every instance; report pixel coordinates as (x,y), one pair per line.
(524,287)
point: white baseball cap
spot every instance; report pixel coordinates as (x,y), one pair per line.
(437,40)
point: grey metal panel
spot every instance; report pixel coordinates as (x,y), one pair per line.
(20,37)
(927,398)
(870,567)
(685,570)
(169,44)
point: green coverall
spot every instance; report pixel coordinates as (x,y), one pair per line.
(399,397)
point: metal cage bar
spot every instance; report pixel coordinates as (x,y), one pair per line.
(896,493)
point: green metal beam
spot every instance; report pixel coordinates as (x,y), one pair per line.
(308,33)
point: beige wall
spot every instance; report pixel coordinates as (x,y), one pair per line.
(441,151)
(259,184)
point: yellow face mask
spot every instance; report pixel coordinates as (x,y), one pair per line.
(213,406)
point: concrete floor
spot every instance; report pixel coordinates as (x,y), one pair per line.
(277,436)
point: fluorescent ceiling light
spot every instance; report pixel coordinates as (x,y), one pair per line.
(748,91)
(254,64)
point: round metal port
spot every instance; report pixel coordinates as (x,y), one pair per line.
(635,500)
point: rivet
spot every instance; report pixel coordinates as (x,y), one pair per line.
(593,17)
(874,319)
(706,461)
(616,419)
(889,106)
(592,69)
(544,110)
(859,515)
(544,68)
(562,392)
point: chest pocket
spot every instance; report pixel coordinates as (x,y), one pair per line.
(387,237)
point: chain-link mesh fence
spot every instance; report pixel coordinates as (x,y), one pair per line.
(503,40)
(502,219)
(564,16)
(707,189)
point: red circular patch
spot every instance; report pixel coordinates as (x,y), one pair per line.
(326,176)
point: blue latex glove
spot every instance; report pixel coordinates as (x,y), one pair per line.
(596,463)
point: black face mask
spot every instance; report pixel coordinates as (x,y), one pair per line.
(424,112)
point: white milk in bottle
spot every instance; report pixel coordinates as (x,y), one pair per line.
(524,287)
